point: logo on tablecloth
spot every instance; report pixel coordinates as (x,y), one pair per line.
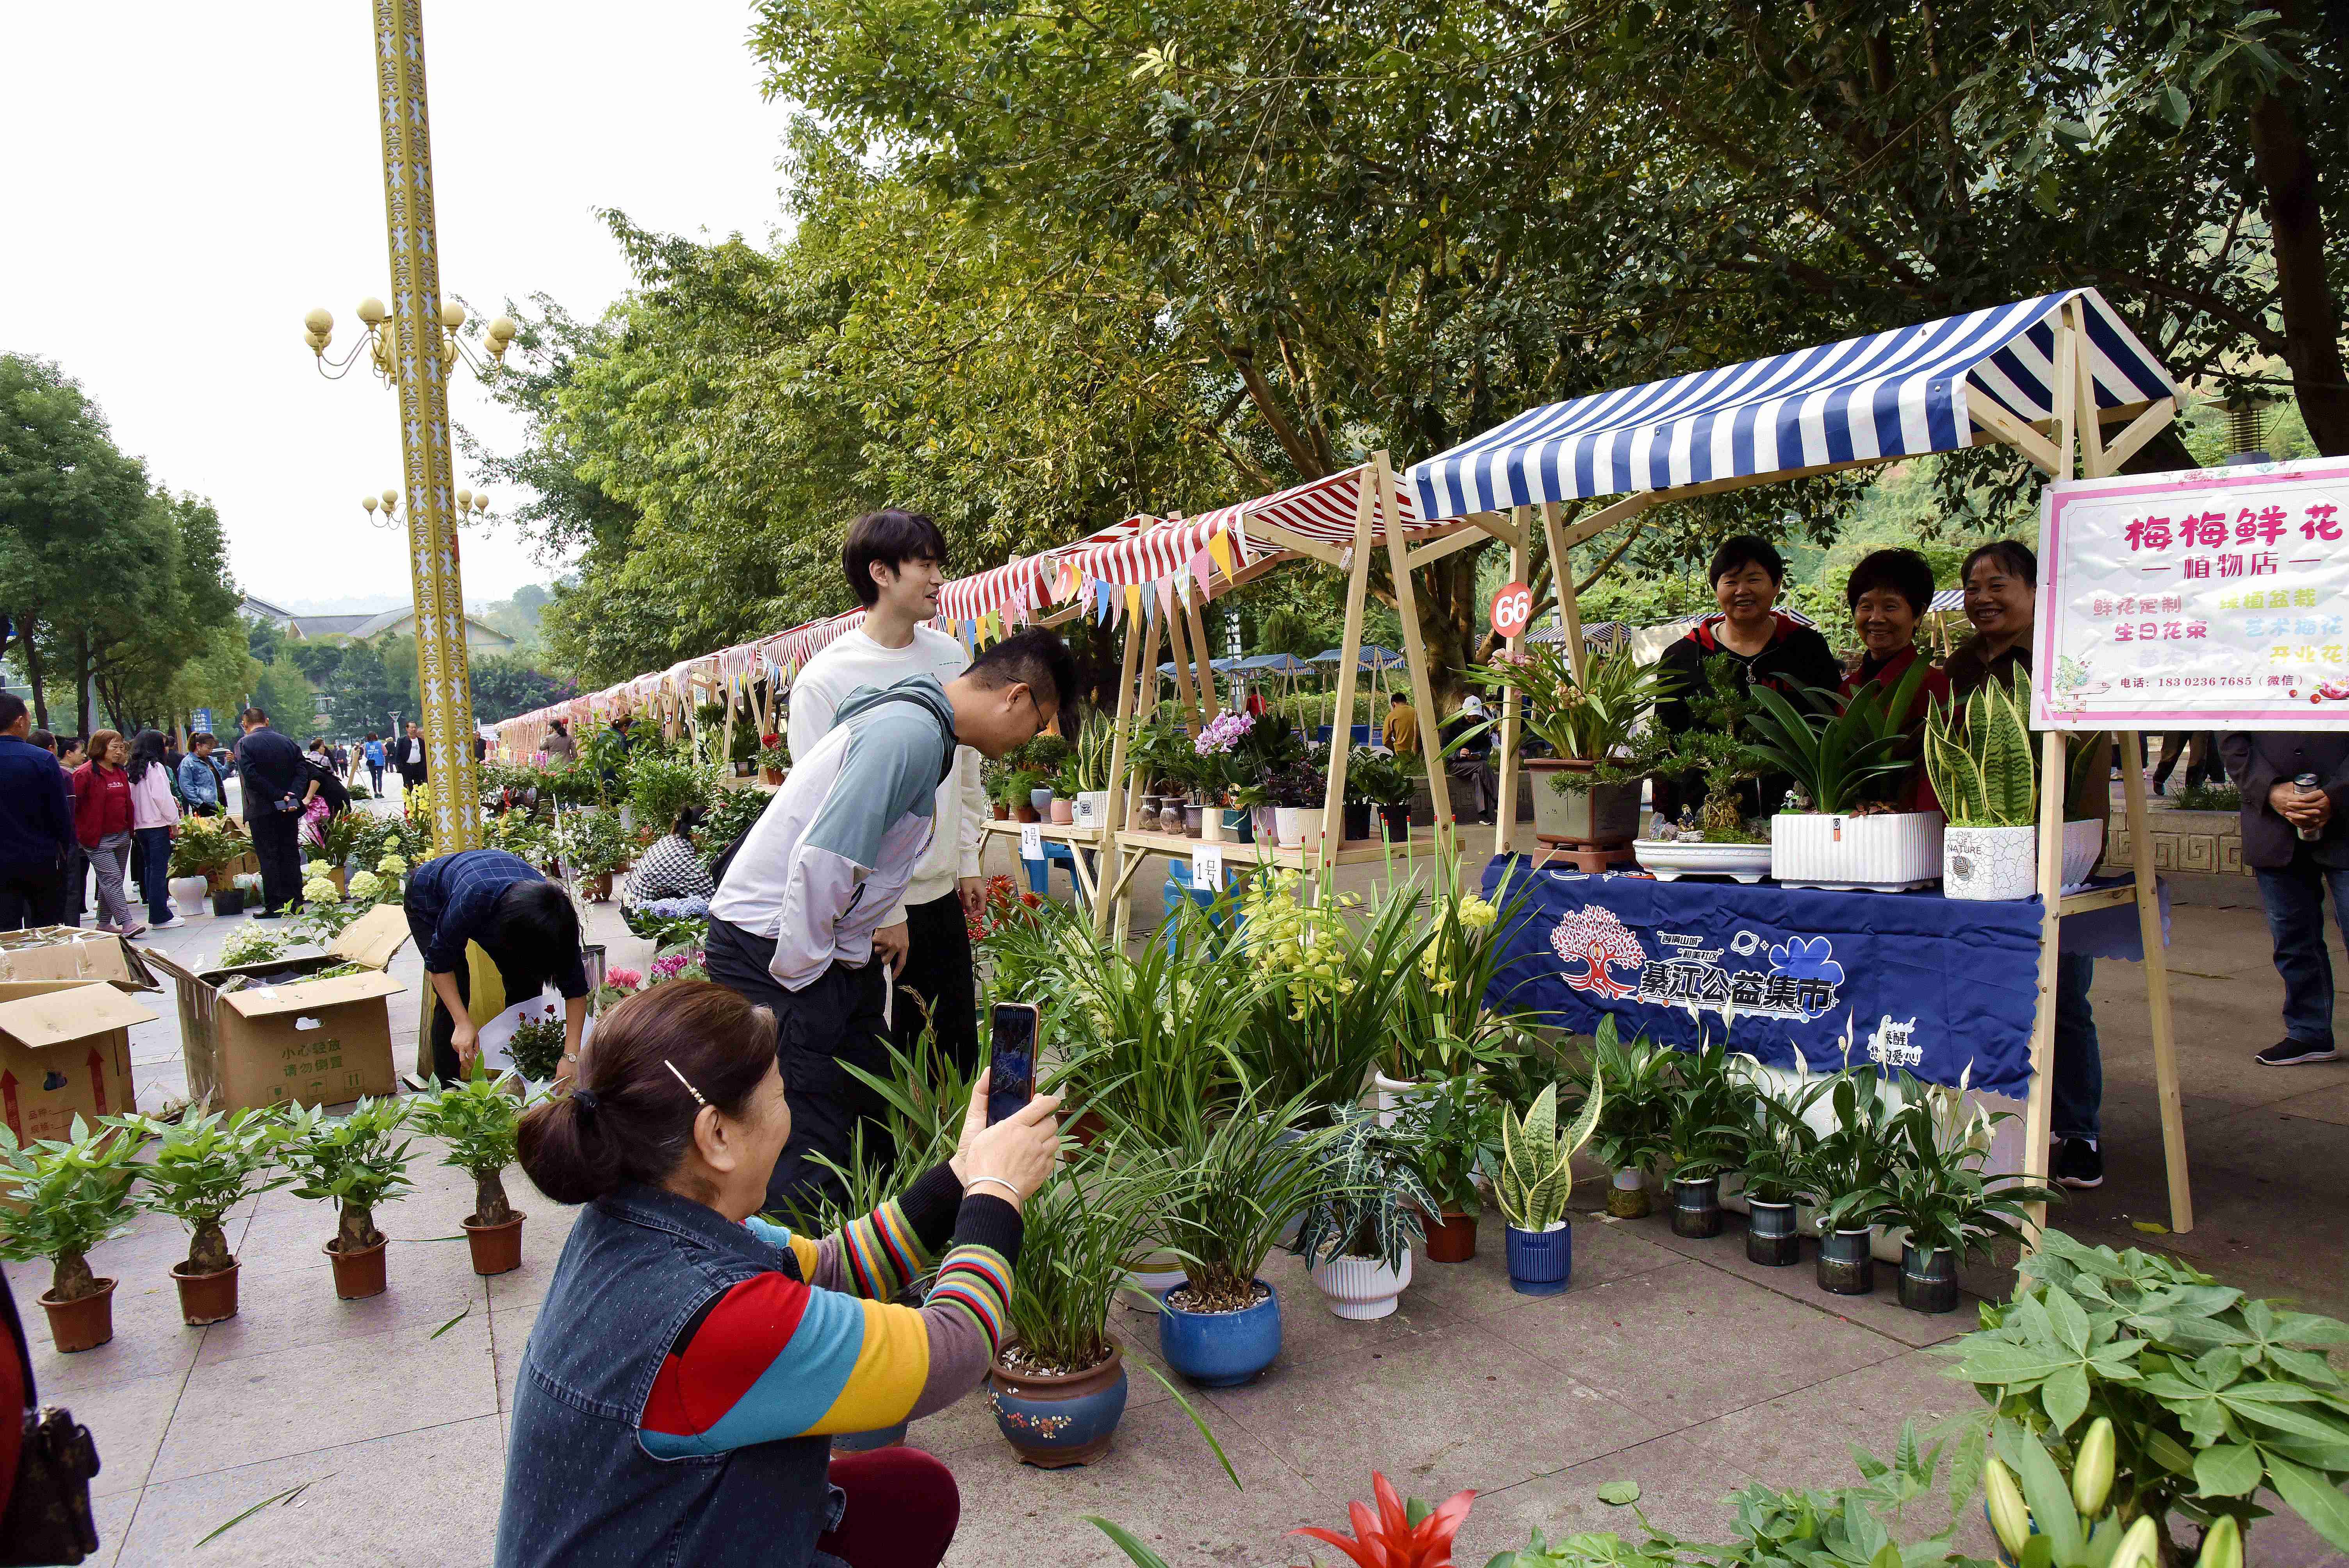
(1594,938)
(1892,1046)
(1800,985)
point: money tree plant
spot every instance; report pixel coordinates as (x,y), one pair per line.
(350,1162)
(205,1165)
(61,1197)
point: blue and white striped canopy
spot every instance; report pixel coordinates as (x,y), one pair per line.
(1891,394)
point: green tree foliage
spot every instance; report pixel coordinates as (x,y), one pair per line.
(506,685)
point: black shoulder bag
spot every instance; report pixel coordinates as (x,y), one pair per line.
(48,1518)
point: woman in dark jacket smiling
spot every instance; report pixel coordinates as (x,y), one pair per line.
(690,1362)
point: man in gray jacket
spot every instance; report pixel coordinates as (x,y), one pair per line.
(793,925)
(2294,838)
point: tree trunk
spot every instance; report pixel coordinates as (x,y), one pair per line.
(356,1231)
(33,670)
(489,1205)
(208,1252)
(70,1279)
(87,719)
(2312,320)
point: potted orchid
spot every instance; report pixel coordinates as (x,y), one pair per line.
(1216,746)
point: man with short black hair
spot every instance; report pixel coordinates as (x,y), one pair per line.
(795,923)
(277,779)
(927,935)
(35,824)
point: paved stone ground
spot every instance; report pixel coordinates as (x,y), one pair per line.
(1673,1363)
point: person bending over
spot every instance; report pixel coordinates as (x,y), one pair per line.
(691,1363)
(522,924)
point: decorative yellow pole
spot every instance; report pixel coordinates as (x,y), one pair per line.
(419,370)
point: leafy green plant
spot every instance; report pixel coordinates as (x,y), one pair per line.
(2214,1395)
(732,813)
(1239,1174)
(1325,1015)
(2192,798)
(1777,1142)
(1843,752)
(1848,1170)
(1538,1161)
(477,1118)
(537,1049)
(1937,1188)
(1978,756)
(1378,777)
(1705,1123)
(250,945)
(1044,756)
(1447,1023)
(1634,1131)
(2050,1519)
(1082,1233)
(1089,761)
(1160,1027)
(63,1197)
(1017,787)
(350,1162)
(660,788)
(205,1165)
(1715,749)
(1370,1201)
(1458,1125)
(590,842)
(1587,719)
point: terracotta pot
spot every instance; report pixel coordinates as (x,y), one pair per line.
(359,1275)
(770,776)
(497,1249)
(1002,812)
(1063,811)
(1055,1422)
(83,1324)
(1452,1239)
(599,888)
(206,1297)
(1086,1128)
(1024,814)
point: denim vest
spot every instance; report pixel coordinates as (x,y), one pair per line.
(580,1491)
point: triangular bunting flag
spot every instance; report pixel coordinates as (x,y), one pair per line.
(1199,572)
(1220,543)
(1132,598)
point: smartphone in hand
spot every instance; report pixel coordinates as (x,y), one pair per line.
(1012,1060)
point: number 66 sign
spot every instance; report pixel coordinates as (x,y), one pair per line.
(1513,606)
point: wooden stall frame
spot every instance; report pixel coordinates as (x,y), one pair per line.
(2050,445)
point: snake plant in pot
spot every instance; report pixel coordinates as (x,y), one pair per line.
(1369,1210)
(1846,755)
(205,1165)
(352,1162)
(477,1117)
(58,1199)
(1980,755)
(1537,1179)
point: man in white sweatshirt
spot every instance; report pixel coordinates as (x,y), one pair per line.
(895,563)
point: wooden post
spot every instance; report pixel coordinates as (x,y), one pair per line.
(1414,647)
(1561,570)
(1203,663)
(1114,815)
(1147,680)
(1175,646)
(2157,989)
(2039,1105)
(1505,819)
(1349,655)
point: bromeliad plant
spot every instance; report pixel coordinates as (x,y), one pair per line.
(1372,1200)
(62,1198)
(477,1117)
(1538,1161)
(203,1166)
(351,1163)
(1845,754)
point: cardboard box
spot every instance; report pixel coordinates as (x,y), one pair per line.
(310,1042)
(68,952)
(64,1051)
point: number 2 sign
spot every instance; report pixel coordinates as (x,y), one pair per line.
(1513,607)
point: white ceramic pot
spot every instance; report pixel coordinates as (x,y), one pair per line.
(1289,823)
(188,897)
(1881,854)
(1361,1288)
(1390,1095)
(2084,846)
(1606,815)
(1668,861)
(1093,808)
(1990,862)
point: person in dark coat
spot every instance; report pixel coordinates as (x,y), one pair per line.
(276,787)
(37,824)
(2294,841)
(1770,649)
(408,758)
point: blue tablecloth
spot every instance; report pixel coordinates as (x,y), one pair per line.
(1907,980)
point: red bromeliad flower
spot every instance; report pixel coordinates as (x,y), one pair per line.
(1392,1537)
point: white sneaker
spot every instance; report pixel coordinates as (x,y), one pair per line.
(166,925)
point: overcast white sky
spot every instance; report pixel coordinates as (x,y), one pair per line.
(184,181)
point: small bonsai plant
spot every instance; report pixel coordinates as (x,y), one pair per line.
(63,1197)
(1538,1161)
(203,1166)
(351,1163)
(1715,748)
(476,1118)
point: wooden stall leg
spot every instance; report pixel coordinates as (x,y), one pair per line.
(1414,648)
(1504,820)
(2156,991)
(1113,816)
(1350,654)
(1202,657)
(2038,1108)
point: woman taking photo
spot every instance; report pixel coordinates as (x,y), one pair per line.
(2001,585)
(691,1363)
(101,799)
(154,823)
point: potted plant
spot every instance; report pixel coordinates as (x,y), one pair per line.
(351,1163)
(1386,782)
(477,1118)
(1087,773)
(1239,1175)
(1298,789)
(1021,787)
(1369,1210)
(774,757)
(1702,1127)
(1584,723)
(1635,1132)
(1537,1179)
(1848,1172)
(592,845)
(1984,769)
(1937,1191)
(1716,839)
(1845,756)
(1058,1386)
(62,1198)
(203,1166)
(1457,1123)
(661,787)
(1777,1142)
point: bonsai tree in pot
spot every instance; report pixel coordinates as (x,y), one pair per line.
(1702,1128)
(203,1166)
(1583,722)
(477,1118)
(1936,1189)
(1537,1179)
(351,1163)
(1458,1125)
(60,1198)
(1369,1210)
(1846,756)
(1715,750)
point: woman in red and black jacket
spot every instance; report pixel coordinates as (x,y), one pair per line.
(102,797)
(1890,592)
(1768,649)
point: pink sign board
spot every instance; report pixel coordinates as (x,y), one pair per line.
(2211,599)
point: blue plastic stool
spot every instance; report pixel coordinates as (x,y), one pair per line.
(1039,872)
(1178,888)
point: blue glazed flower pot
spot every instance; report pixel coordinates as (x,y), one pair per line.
(1221,1349)
(1055,1422)
(1541,1263)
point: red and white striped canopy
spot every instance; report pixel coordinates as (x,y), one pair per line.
(1321,508)
(1019,585)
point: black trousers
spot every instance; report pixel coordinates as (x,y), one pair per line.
(31,895)
(836,1017)
(518,988)
(937,985)
(276,845)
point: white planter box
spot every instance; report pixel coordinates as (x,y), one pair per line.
(1361,1288)
(1092,808)
(1990,862)
(1669,859)
(2084,846)
(1884,853)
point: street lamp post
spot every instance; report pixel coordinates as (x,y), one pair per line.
(415,350)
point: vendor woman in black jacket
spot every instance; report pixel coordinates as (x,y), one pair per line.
(1768,648)
(526,924)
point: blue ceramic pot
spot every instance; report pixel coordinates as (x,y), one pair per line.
(1221,1349)
(1055,1422)
(1541,1263)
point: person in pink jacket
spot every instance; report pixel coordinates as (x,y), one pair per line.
(154,823)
